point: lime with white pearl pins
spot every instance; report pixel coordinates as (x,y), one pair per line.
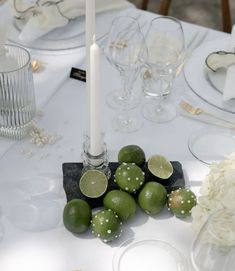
(106,225)
(129,177)
(181,201)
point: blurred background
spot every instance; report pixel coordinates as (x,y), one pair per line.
(203,12)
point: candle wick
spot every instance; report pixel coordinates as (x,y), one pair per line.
(93,38)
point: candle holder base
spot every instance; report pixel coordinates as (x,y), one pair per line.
(98,162)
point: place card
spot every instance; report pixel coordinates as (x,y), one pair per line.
(78,74)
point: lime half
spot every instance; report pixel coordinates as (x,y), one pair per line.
(93,183)
(160,167)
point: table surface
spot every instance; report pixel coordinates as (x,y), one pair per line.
(62,101)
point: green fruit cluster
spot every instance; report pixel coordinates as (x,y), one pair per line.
(120,205)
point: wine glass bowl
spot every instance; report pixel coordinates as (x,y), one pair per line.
(124,51)
(166,49)
(121,30)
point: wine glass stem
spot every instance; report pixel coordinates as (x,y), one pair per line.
(127,90)
(159,100)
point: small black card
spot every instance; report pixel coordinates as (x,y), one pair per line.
(72,175)
(78,74)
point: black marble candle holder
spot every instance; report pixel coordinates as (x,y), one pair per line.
(72,173)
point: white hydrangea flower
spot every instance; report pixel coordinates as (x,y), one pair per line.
(217,193)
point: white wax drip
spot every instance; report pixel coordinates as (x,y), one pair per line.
(7,63)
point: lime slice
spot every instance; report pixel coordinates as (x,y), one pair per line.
(93,183)
(160,167)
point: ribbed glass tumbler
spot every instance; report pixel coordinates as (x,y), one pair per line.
(17,97)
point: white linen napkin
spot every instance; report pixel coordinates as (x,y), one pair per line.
(45,87)
(229,86)
(44,16)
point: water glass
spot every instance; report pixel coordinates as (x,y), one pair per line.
(124,49)
(214,246)
(165,47)
(116,51)
(17,97)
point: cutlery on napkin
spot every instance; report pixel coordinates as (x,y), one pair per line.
(229,86)
(200,114)
(40,17)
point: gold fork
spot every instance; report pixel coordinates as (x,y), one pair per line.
(198,111)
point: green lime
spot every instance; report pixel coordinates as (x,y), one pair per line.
(129,177)
(77,215)
(152,198)
(160,167)
(93,183)
(131,154)
(121,203)
(106,225)
(180,202)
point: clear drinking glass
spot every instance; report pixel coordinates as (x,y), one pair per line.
(166,49)
(125,50)
(120,26)
(17,97)
(214,246)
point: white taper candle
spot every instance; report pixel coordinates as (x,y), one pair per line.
(96,140)
(90,32)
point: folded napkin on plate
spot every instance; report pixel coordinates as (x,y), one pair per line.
(41,17)
(229,86)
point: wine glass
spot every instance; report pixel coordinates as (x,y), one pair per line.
(120,26)
(125,50)
(166,49)
(214,246)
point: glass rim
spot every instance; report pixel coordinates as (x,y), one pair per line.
(21,67)
(178,27)
(134,242)
(167,17)
(124,17)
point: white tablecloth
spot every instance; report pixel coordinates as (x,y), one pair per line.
(63,103)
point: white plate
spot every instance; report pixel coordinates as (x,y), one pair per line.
(148,254)
(197,76)
(71,36)
(211,145)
